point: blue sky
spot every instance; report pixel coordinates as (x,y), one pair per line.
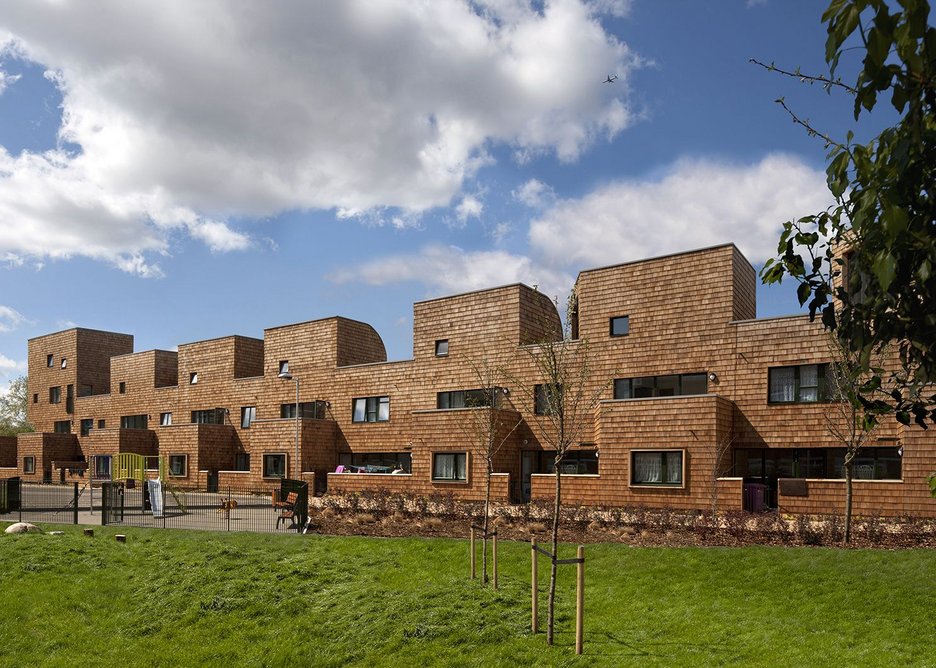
(180,174)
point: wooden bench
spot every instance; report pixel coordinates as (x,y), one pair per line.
(287,509)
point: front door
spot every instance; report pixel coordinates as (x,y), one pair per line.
(529,463)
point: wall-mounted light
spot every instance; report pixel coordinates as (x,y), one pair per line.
(506,391)
(713,377)
(327,404)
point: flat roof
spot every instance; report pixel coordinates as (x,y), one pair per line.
(80,329)
(730,244)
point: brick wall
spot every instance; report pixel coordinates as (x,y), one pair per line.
(7,451)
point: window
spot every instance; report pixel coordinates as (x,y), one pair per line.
(450,466)
(274,466)
(371,409)
(102,466)
(311,410)
(86,426)
(209,416)
(64,363)
(575,462)
(284,366)
(661,467)
(620,325)
(29,464)
(55,395)
(122,388)
(35,398)
(376,462)
(70,399)
(546,399)
(165,419)
(793,384)
(134,422)
(441,347)
(467,398)
(763,464)
(50,361)
(178,465)
(660,386)
(242,461)
(62,427)
(100,424)
(248,415)
(193,378)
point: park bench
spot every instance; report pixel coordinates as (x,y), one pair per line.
(287,509)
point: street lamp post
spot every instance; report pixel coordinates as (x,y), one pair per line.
(288,376)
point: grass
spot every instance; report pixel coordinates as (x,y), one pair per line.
(197,598)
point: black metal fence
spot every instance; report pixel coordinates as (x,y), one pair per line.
(113,503)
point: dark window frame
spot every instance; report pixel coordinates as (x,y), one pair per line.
(101,423)
(308,410)
(441,347)
(50,361)
(133,421)
(184,473)
(193,378)
(476,398)
(377,462)
(265,469)
(541,399)
(248,416)
(242,461)
(86,425)
(62,427)
(371,408)
(122,387)
(29,464)
(822,388)
(619,384)
(619,318)
(165,419)
(284,366)
(55,394)
(208,416)
(665,454)
(456,455)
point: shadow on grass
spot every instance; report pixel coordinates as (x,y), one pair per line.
(607,644)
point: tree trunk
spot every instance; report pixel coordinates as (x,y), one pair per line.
(485,524)
(849,458)
(551,610)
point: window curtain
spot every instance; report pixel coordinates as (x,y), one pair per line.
(809,383)
(445,467)
(383,410)
(359,409)
(781,384)
(674,467)
(648,467)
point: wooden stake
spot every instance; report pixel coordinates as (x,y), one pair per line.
(494,557)
(579,599)
(534,587)
(471,558)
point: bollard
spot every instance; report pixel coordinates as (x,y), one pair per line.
(494,556)
(75,516)
(579,599)
(471,557)
(120,538)
(534,589)
(89,533)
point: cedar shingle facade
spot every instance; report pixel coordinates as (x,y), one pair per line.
(695,365)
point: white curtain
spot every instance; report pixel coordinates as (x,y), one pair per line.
(674,467)
(648,467)
(781,384)
(809,383)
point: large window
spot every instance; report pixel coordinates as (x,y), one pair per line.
(792,384)
(620,326)
(575,462)
(657,467)
(134,422)
(376,462)
(102,466)
(29,464)
(55,395)
(62,427)
(248,416)
(274,465)
(450,466)
(660,386)
(178,465)
(87,425)
(818,463)
(371,409)
(209,416)
(467,398)
(312,410)
(546,399)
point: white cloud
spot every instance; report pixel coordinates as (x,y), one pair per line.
(696,203)
(450,269)
(10,319)
(535,194)
(9,369)
(186,116)
(7,80)
(469,207)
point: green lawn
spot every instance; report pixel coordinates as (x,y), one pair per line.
(194,598)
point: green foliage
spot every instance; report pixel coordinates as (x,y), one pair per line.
(177,598)
(932,484)
(884,219)
(13,408)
